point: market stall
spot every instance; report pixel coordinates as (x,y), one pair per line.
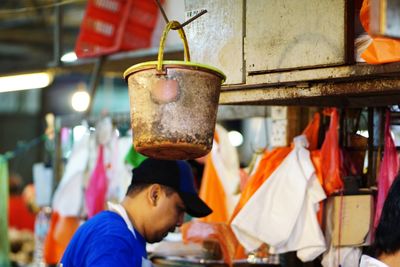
(296,162)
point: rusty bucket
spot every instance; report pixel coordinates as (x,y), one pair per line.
(173,104)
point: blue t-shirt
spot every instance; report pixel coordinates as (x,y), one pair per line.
(105,240)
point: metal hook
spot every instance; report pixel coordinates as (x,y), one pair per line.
(162,11)
(182,24)
(191,19)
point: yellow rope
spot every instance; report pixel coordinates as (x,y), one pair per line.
(172,24)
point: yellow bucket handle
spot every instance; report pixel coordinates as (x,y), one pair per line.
(168,27)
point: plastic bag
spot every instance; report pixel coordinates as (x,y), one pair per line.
(221,233)
(134,158)
(221,178)
(244,178)
(212,192)
(330,157)
(352,158)
(272,159)
(281,212)
(268,164)
(387,171)
(312,132)
(60,233)
(381,50)
(95,194)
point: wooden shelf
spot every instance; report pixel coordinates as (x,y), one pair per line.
(344,86)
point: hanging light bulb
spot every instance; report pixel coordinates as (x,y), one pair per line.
(69,57)
(80,99)
(236,138)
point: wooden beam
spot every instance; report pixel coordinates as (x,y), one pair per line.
(379,91)
(360,71)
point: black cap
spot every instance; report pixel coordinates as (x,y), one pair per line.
(176,174)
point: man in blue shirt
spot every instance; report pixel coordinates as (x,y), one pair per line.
(160,193)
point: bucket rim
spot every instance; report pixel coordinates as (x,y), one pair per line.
(173,63)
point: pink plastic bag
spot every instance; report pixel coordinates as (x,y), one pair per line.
(387,171)
(95,194)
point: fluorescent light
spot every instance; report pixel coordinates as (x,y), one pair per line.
(69,57)
(25,81)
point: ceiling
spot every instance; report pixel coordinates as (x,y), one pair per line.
(27,32)
(28,37)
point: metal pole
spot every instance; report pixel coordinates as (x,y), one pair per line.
(57,41)
(182,24)
(371,163)
(94,82)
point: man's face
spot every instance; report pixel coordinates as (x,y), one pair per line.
(166,215)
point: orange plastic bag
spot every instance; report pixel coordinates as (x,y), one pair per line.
(221,178)
(312,132)
(212,193)
(60,233)
(244,178)
(198,232)
(381,50)
(330,157)
(387,171)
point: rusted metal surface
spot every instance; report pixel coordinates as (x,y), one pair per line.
(235,112)
(289,34)
(217,37)
(339,73)
(376,92)
(180,123)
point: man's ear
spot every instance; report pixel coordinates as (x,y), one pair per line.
(154,194)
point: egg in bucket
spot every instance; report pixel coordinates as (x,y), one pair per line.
(173,104)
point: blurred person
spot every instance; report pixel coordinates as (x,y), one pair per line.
(387,235)
(20,216)
(160,193)
(21,220)
(28,194)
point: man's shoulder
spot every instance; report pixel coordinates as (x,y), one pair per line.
(107,217)
(106,223)
(103,238)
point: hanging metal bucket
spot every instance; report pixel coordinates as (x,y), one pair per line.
(173,104)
